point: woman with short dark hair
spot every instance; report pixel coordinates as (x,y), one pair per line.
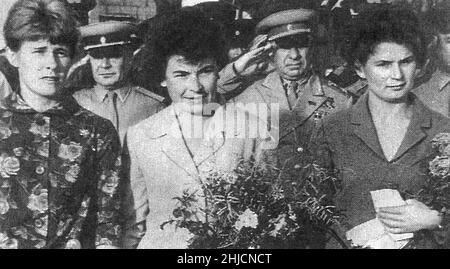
(384,140)
(59,163)
(172,151)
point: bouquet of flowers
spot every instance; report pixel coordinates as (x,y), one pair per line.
(252,207)
(436,191)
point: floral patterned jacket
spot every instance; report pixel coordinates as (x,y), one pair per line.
(59,177)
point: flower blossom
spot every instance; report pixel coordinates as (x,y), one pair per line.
(38,202)
(246,219)
(5,132)
(441,141)
(440,166)
(4,206)
(72,174)
(70,152)
(42,130)
(9,166)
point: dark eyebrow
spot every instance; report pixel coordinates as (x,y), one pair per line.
(382,62)
(409,58)
(208,66)
(61,49)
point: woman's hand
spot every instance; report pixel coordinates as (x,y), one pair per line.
(412,217)
(255,60)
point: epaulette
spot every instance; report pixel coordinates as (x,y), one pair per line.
(346,79)
(358,88)
(335,87)
(148,93)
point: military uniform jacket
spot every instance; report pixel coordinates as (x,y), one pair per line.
(435,93)
(315,101)
(133,105)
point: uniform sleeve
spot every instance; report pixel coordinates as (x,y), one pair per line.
(135,204)
(229,80)
(108,166)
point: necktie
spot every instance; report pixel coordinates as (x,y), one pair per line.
(113,107)
(291,93)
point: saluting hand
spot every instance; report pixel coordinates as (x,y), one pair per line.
(412,217)
(256,59)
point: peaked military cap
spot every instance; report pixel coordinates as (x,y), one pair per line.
(109,33)
(286,22)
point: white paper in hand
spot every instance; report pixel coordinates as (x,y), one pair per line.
(365,232)
(388,198)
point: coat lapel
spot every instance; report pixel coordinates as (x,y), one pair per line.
(168,136)
(421,120)
(363,126)
(173,147)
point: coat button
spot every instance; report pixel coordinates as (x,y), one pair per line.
(297,166)
(300,149)
(40,170)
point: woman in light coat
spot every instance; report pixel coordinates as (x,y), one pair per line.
(171,151)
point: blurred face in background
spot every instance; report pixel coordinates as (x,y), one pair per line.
(444,51)
(389,71)
(191,86)
(42,67)
(291,57)
(109,64)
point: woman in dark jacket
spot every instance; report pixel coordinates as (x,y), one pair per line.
(384,140)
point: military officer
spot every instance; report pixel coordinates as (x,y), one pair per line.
(109,46)
(303,97)
(435,92)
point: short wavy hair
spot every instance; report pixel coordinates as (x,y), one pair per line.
(188,33)
(384,23)
(32,20)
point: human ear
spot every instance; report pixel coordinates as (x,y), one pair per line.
(12,57)
(359,70)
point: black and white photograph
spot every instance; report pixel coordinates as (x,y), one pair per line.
(250,125)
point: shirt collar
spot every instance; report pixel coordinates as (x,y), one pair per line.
(312,82)
(122,92)
(16,103)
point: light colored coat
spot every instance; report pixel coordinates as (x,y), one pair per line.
(162,168)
